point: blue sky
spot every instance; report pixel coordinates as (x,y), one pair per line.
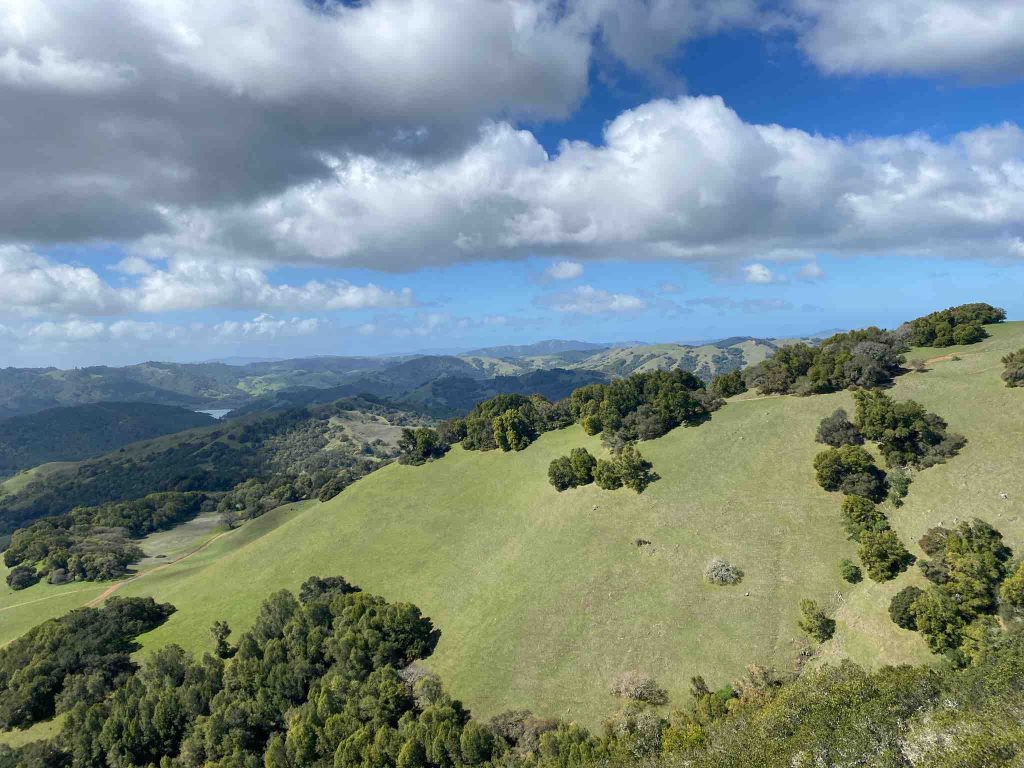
(654,171)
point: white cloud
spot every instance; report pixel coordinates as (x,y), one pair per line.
(810,272)
(758,274)
(970,38)
(53,71)
(267,327)
(564,270)
(32,284)
(668,287)
(190,284)
(674,179)
(587,300)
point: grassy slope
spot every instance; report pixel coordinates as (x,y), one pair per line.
(542,599)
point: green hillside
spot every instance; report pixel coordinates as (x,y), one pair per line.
(543,598)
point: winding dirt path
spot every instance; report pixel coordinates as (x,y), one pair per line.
(98,600)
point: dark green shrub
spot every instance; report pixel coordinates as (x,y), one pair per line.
(1013,374)
(837,430)
(883,555)
(607,475)
(860,514)
(901,607)
(561,474)
(21,577)
(850,572)
(583,464)
(815,622)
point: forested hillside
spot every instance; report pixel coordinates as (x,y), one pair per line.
(78,432)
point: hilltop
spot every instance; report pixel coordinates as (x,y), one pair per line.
(543,597)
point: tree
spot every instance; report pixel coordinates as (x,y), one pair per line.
(1012,590)
(634,469)
(561,474)
(956,325)
(850,572)
(219,632)
(729,384)
(938,619)
(477,743)
(21,577)
(860,514)
(837,430)
(815,622)
(849,469)
(901,607)
(421,445)
(514,430)
(906,433)
(1013,374)
(583,464)
(883,555)
(898,483)
(607,475)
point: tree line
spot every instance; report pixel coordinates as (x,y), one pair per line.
(332,678)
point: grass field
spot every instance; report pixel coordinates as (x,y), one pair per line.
(542,598)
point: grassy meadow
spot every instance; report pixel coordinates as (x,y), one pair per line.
(542,598)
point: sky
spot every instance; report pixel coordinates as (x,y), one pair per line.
(186,181)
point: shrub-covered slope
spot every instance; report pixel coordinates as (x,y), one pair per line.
(544,598)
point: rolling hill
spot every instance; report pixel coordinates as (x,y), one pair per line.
(543,597)
(77,432)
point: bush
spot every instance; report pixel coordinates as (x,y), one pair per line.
(860,514)
(721,572)
(837,430)
(1012,590)
(901,607)
(850,572)
(561,474)
(1013,374)
(883,555)
(637,686)
(21,577)
(815,622)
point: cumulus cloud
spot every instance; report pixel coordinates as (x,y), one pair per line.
(286,81)
(32,284)
(564,270)
(759,274)
(674,179)
(979,39)
(587,300)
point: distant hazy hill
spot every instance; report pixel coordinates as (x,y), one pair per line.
(78,432)
(254,385)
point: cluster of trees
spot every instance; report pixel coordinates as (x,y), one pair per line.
(1013,374)
(642,406)
(906,433)
(956,325)
(330,679)
(628,468)
(420,445)
(94,543)
(866,358)
(729,384)
(851,470)
(79,657)
(968,565)
(509,422)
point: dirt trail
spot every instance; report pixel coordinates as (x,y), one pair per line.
(98,600)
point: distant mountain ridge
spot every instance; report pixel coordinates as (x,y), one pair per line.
(236,384)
